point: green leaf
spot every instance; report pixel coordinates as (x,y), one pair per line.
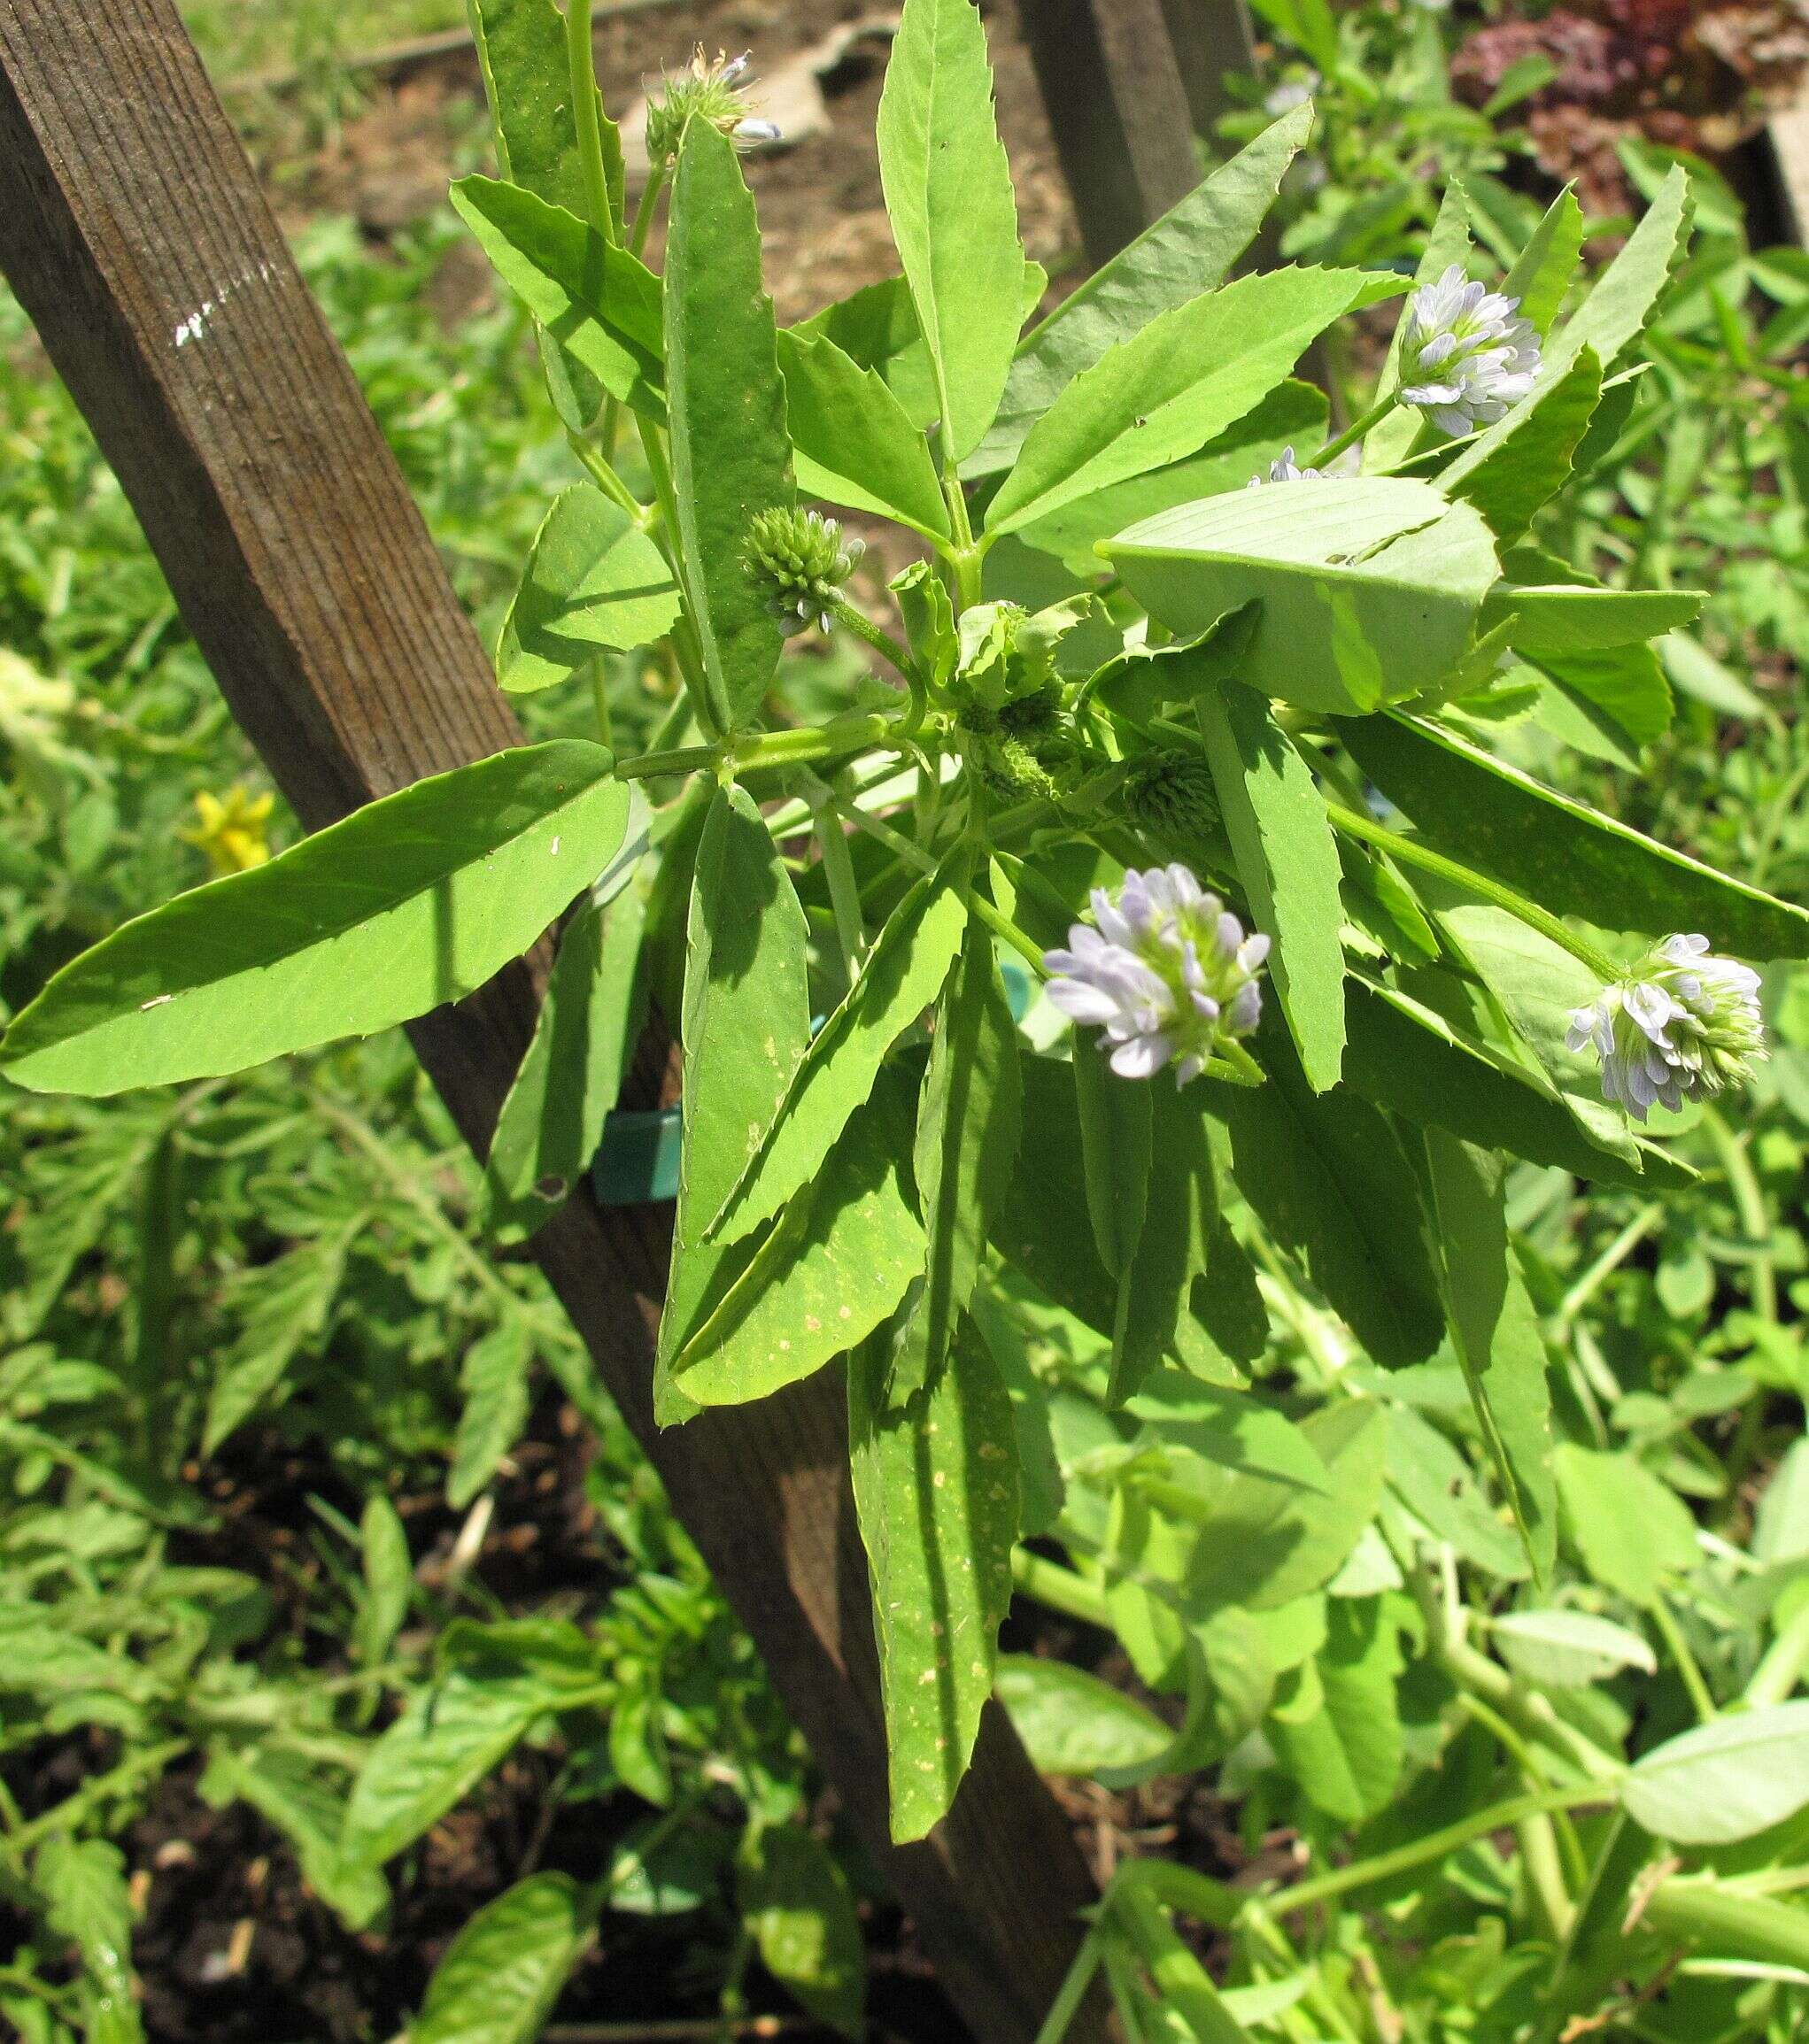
(87,1902)
(1494,1330)
(730,456)
(936,1489)
(593,579)
(796,1900)
(1372,588)
(1438,1486)
(1287,860)
(450,1735)
(283,1307)
(1543,273)
(1616,312)
(1612,704)
(389,1582)
(1046,1229)
(1292,415)
(1407,1058)
(1270,1540)
(1071,1722)
(902,975)
(520,45)
(501,1975)
(1567,619)
(1326,1177)
(745,1028)
(1115,1117)
(1179,1239)
(1189,249)
(1539,986)
(1346,1754)
(1568,1649)
(1567,857)
(661,1869)
(836,1264)
(967,1121)
(289,1794)
(494,1381)
(571,1076)
(1725,1780)
(410,902)
(852,441)
(876,329)
(598,302)
(1513,471)
(948,191)
(1170,389)
(1630,1530)
(527,80)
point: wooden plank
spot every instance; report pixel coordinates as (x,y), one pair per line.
(1213,39)
(133,229)
(1119,111)
(1787,142)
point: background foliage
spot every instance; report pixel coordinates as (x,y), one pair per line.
(286,1453)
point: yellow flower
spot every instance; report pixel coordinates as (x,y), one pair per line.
(232,832)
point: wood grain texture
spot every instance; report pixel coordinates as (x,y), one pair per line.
(133,230)
(1213,40)
(1118,109)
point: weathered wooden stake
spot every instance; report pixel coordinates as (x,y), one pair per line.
(134,231)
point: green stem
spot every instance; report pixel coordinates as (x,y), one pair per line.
(643,209)
(1738,1925)
(116,1781)
(876,828)
(1008,932)
(676,760)
(1435,1845)
(838,871)
(1354,432)
(1410,851)
(1701,1700)
(1066,2004)
(1782,1669)
(581,62)
(880,640)
(1604,1266)
(1749,1203)
(603,474)
(600,702)
(1060,1589)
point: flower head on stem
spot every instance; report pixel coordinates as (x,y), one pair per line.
(1680,1026)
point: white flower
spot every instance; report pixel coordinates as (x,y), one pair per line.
(1465,355)
(1166,974)
(1294,92)
(1287,470)
(1680,1027)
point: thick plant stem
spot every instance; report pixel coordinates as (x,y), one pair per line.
(1060,1589)
(1410,851)
(1665,1619)
(1778,1674)
(581,61)
(882,642)
(1737,1925)
(1354,432)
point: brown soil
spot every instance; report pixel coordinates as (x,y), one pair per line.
(820,206)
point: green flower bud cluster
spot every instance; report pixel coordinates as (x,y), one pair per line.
(709,89)
(799,561)
(1171,791)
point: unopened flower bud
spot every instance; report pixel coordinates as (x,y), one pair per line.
(1172,791)
(1680,1026)
(800,560)
(1165,971)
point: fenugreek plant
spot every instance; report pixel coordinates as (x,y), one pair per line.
(1180,727)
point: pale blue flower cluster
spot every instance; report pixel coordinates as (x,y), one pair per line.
(1466,355)
(1165,971)
(1680,1027)
(1286,469)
